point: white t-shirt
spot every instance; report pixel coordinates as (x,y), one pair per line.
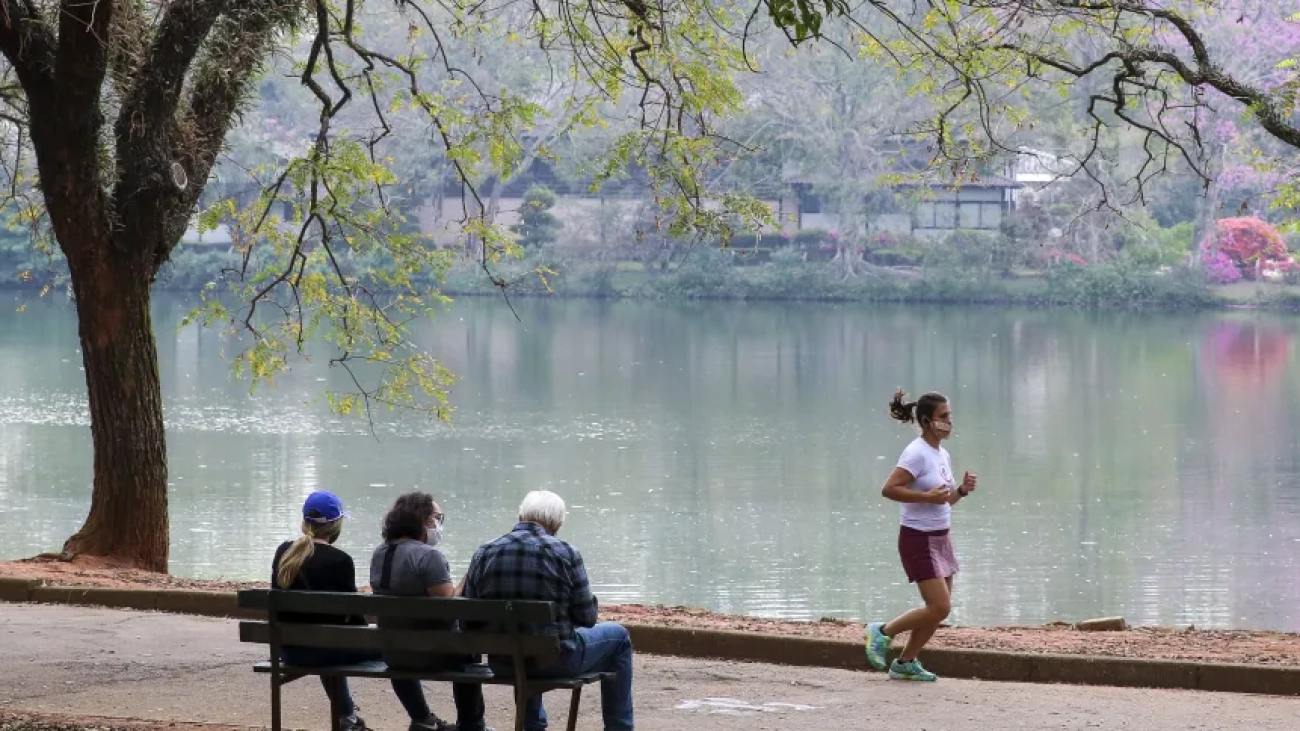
(930,468)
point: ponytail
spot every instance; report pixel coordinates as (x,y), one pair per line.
(919,411)
(902,410)
(303,548)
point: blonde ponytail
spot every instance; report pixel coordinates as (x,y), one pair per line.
(303,548)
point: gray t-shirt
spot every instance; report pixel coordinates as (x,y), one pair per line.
(416,567)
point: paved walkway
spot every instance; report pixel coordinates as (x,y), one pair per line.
(178,668)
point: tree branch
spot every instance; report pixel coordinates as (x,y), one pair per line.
(67,118)
(238,42)
(151,102)
(81,63)
(1262,104)
(28,45)
(150,138)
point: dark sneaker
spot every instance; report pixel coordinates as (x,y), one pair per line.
(432,723)
(355,723)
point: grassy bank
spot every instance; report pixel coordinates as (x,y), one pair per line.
(1102,286)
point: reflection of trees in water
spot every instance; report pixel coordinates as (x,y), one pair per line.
(1246,353)
(1240,521)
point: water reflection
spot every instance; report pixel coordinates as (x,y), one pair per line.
(1244,353)
(730,456)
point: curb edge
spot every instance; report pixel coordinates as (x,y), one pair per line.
(773,649)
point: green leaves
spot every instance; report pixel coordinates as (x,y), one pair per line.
(537,226)
(802,20)
(351,238)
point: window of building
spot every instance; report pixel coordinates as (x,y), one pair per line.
(952,211)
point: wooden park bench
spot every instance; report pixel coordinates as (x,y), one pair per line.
(510,635)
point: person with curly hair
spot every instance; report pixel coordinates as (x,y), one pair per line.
(409,563)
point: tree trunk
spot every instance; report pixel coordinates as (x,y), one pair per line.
(128,507)
(1204,230)
(1207,220)
(847,259)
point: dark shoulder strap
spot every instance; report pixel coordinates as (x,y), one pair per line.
(386,576)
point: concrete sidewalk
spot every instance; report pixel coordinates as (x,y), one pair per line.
(168,667)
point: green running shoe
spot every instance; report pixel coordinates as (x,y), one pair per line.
(877,645)
(911,671)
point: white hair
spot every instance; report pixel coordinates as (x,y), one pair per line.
(544,508)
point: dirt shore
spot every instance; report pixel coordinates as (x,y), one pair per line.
(1229,646)
(18,721)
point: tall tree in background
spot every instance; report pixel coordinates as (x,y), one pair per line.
(835,124)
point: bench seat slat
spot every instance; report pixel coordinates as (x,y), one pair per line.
(435,608)
(542,648)
(475,674)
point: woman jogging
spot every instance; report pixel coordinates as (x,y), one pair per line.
(923,483)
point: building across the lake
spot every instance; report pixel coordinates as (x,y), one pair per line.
(922,207)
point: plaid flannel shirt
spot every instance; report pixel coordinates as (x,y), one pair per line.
(530,564)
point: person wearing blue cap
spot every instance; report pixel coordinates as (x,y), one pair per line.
(312,563)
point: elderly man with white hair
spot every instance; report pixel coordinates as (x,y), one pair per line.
(530,563)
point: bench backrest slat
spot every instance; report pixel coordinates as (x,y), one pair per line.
(431,608)
(541,648)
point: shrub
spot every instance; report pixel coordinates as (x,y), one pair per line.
(787,256)
(811,237)
(982,250)
(537,226)
(1292,239)
(706,272)
(1218,267)
(1250,243)
(1154,247)
(744,240)
(887,249)
(1120,284)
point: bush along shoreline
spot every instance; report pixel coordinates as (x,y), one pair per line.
(717,275)
(782,275)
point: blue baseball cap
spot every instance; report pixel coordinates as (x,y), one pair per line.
(322,507)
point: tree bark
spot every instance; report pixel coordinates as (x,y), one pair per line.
(128,507)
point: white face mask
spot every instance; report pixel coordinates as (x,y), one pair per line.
(943,427)
(434,535)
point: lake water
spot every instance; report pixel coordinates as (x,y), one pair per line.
(730,456)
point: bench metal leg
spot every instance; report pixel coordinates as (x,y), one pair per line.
(276,724)
(334,688)
(521,702)
(573,708)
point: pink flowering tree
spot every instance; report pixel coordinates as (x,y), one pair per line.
(1251,245)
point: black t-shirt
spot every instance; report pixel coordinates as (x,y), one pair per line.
(326,569)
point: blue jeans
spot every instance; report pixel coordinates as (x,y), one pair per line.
(408,692)
(604,648)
